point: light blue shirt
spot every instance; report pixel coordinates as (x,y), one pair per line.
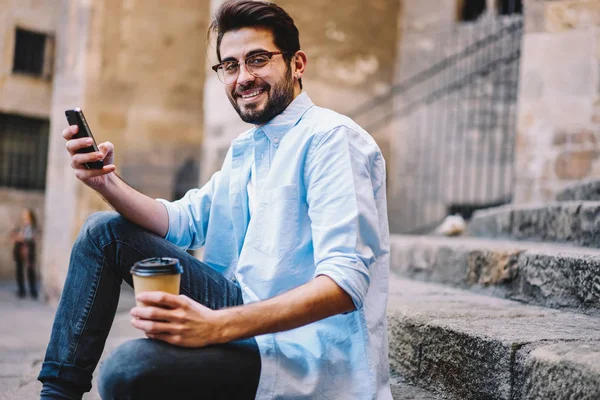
(320,209)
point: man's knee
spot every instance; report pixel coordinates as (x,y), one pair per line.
(100,224)
(125,370)
(100,219)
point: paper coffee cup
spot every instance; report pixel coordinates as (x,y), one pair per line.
(156,274)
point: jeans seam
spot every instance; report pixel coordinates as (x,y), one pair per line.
(87,312)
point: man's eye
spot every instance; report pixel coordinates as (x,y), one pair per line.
(230,67)
(260,60)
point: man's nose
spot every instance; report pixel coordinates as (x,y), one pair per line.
(244,76)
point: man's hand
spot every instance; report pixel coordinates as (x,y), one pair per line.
(177,320)
(94,178)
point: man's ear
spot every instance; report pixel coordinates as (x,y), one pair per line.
(299,64)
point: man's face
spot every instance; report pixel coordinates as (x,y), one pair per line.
(257,100)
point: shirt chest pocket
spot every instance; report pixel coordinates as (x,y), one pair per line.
(277,221)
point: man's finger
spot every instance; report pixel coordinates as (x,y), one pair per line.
(76,144)
(84,173)
(70,131)
(155,326)
(154,314)
(167,337)
(80,159)
(161,299)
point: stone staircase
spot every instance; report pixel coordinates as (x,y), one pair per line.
(509,311)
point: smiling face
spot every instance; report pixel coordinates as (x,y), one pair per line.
(257,100)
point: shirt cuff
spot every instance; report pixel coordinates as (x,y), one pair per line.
(352,281)
(172,212)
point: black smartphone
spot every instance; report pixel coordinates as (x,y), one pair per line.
(76,117)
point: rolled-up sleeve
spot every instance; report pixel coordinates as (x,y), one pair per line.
(341,175)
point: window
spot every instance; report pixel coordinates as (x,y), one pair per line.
(508,7)
(470,10)
(23,152)
(34,53)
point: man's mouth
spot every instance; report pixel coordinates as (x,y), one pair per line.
(251,94)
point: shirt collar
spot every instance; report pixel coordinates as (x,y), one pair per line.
(282,123)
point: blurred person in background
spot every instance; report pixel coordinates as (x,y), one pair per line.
(24,238)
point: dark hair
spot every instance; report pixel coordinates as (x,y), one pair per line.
(237,14)
(32,217)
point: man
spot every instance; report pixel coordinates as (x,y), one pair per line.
(290,300)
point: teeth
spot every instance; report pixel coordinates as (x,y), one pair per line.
(255,93)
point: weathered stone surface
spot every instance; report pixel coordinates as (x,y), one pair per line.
(466,344)
(543,274)
(584,190)
(580,136)
(567,15)
(403,390)
(570,222)
(548,372)
(575,164)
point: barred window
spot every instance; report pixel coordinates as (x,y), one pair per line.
(34,53)
(23,152)
(470,10)
(508,7)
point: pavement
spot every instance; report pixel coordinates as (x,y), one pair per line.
(24,333)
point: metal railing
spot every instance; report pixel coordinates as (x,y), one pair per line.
(454,126)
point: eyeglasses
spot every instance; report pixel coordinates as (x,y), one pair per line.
(258,65)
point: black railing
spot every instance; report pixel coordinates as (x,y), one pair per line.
(454,126)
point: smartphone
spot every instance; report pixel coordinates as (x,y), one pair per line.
(76,117)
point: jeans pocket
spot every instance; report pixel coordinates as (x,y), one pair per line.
(277,221)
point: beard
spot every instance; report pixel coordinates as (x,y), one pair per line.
(279,96)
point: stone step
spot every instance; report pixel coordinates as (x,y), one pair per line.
(548,275)
(403,390)
(588,189)
(480,347)
(573,222)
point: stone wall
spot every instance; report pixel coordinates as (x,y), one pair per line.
(559,105)
(137,70)
(23,95)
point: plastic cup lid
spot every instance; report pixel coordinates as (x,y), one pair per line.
(156,266)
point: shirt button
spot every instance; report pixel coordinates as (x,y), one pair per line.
(262,156)
(276,140)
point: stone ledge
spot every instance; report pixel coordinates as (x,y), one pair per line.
(478,347)
(586,190)
(544,371)
(403,390)
(574,222)
(542,274)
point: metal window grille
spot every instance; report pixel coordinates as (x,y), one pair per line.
(32,53)
(23,152)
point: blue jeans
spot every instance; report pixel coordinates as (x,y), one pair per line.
(106,248)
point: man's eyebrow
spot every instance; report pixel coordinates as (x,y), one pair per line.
(248,54)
